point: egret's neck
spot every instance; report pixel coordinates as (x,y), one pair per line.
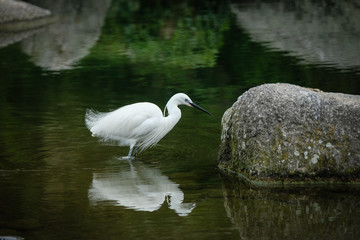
(174,114)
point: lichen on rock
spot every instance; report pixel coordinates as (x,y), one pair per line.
(286,132)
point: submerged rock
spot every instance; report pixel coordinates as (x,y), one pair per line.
(286,132)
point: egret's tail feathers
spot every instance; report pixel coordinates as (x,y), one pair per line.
(95,121)
(92,117)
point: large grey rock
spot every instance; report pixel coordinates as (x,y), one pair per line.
(283,131)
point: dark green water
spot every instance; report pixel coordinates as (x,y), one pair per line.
(57,182)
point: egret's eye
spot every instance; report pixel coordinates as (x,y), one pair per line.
(187,100)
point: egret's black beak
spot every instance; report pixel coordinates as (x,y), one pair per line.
(198,107)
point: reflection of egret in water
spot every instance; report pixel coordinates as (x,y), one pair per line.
(140,188)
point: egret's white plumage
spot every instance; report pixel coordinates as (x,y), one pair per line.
(139,125)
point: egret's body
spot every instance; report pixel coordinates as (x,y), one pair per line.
(141,125)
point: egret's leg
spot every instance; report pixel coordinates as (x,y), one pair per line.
(135,150)
(129,156)
(130,151)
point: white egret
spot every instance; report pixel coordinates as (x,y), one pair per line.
(140,125)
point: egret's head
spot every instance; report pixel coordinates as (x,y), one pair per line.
(183,99)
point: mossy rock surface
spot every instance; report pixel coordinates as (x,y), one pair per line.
(283,132)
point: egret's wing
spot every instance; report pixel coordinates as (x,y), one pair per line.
(124,122)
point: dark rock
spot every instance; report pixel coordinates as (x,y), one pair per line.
(11,10)
(17,16)
(286,132)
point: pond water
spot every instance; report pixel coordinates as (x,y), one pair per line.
(57,182)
